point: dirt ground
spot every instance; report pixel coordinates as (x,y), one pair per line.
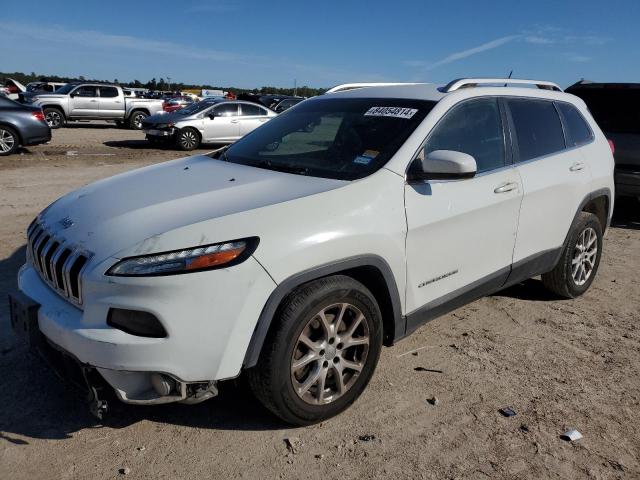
(559,364)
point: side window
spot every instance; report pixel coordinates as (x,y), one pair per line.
(86,91)
(538,127)
(577,130)
(108,92)
(475,128)
(252,110)
(226,110)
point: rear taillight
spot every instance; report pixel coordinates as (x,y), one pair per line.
(38,115)
(165,106)
(612,146)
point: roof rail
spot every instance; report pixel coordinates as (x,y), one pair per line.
(474,82)
(351,86)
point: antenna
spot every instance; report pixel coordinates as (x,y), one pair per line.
(510,73)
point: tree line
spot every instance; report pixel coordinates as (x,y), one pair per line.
(161,84)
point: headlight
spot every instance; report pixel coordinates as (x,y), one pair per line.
(206,257)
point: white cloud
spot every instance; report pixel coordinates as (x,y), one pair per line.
(538,40)
(498,42)
(579,58)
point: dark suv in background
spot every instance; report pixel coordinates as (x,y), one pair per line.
(616,109)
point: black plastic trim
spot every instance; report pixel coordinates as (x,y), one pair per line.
(291,283)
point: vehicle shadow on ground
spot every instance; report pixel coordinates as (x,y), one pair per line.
(144,144)
(96,126)
(36,404)
(626,214)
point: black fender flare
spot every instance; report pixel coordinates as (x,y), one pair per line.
(291,283)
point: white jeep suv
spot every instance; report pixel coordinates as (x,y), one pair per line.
(296,253)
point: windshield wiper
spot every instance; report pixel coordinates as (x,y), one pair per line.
(282,168)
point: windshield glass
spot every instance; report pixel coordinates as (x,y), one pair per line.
(66,88)
(196,107)
(343,139)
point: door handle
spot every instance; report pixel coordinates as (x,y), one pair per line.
(576,167)
(93,101)
(234,121)
(506,187)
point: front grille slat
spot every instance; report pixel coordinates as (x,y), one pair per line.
(59,265)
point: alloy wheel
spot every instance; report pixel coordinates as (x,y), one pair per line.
(330,353)
(584,256)
(53,118)
(138,119)
(188,139)
(7,140)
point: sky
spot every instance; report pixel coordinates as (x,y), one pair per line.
(253,43)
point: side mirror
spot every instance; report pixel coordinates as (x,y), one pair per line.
(444,165)
(211,116)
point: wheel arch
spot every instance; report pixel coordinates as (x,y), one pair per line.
(139,109)
(4,123)
(370,270)
(599,204)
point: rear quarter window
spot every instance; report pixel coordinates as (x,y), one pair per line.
(538,128)
(576,128)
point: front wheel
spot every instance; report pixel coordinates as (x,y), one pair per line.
(187,139)
(321,353)
(54,117)
(578,264)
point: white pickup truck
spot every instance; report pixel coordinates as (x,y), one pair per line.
(93,101)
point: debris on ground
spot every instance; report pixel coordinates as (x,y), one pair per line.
(319,456)
(507,412)
(432,370)
(124,471)
(367,438)
(524,428)
(571,435)
(293,444)
(433,401)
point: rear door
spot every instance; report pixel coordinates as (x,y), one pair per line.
(555,178)
(111,102)
(84,101)
(251,117)
(221,123)
(461,233)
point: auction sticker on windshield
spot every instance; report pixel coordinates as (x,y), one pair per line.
(395,112)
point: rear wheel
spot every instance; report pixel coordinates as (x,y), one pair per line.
(187,139)
(54,117)
(136,119)
(9,140)
(321,353)
(579,262)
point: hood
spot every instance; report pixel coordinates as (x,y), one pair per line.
(122,212)
(167,117)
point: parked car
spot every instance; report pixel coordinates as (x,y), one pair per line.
(172,104)
(94,101)
(21,126)
(13,88)
(286,104)
(293,255)
(44,86)
(616,108)
(208,121)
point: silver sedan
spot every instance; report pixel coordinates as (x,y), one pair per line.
(209,121)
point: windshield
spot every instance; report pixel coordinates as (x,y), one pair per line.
(66,88)
(343,139)
(196,107)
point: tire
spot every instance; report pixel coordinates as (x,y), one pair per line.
(54,118)
(280,386)
(188,139)
(9,141)
(136,118)
(578,265)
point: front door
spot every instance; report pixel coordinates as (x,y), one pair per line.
(461,233)
(84,101)
(221,124)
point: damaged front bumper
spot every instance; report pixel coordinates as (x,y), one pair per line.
(142,388)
